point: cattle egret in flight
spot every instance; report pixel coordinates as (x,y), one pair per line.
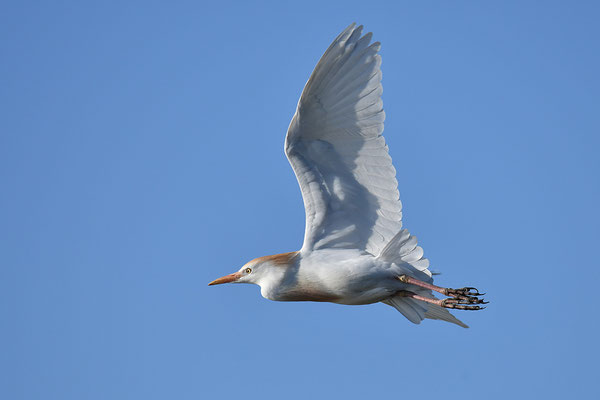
(355,250)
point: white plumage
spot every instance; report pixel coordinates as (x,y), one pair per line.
(335,146)
(354,247)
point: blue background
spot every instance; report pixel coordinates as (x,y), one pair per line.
(141,156)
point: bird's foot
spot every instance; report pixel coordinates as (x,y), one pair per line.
(466,295)
(471,303)
(464,292)
(463,304)
(466,298)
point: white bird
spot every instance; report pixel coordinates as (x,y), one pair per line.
(355,250)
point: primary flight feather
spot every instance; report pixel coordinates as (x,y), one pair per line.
(355,250)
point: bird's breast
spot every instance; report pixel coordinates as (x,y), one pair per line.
(306,294)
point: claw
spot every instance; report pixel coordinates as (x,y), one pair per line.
(464,293)
(475,301)
(461,304)
(469,291)
(470,300)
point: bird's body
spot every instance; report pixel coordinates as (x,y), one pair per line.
(355,250)
(337,276)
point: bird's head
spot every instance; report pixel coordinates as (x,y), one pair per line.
(259,269)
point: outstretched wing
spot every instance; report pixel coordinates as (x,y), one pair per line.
(338,154)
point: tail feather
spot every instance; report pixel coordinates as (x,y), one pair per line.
(413,311)
(403,247)
(416,311)
(437,312)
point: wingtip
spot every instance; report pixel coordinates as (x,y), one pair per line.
(349,27)
(360,29)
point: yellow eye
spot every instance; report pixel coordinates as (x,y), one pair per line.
(248,270)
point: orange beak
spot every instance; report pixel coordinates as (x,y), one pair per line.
(226,279)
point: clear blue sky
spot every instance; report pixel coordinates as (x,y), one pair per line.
(141,156)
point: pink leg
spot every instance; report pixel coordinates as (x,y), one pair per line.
(462,299)
(455,303)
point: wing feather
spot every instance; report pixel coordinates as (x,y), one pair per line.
(340,158)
